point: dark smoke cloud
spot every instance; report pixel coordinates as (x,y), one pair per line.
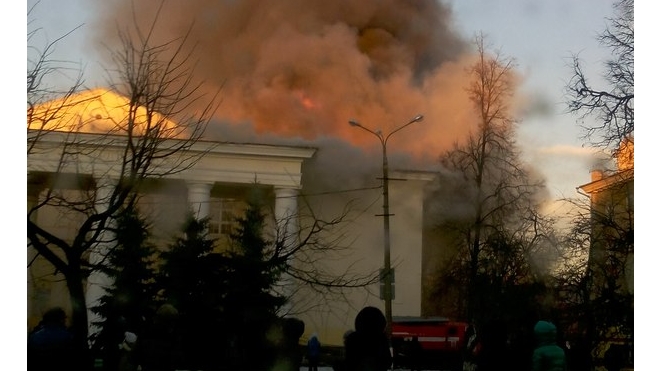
(303,68)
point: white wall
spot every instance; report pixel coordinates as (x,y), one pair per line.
(330,316)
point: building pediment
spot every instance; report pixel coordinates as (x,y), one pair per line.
(85,133)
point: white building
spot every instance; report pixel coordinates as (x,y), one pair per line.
(217,183)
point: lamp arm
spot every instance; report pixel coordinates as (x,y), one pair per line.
(416,119)
(398,129)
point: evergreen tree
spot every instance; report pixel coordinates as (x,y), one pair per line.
(128,301)
(254,270)
(191,280)
(226,300)
(181,275)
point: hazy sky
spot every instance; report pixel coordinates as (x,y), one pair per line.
(540,35)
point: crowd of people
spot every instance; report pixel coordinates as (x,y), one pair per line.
(366,347)
(489,348)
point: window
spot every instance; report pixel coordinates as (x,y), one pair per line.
(223,213)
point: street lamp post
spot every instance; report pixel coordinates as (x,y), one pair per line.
(387,269)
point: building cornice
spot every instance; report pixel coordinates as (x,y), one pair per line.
(421,175)
(101,155)
(608,181)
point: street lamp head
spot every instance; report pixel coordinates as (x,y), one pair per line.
(353,123)
(417,118)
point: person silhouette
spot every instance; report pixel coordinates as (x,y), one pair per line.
(160,347)
(51,345)
(415,354)
(548,356)
(313,352)
(368,348)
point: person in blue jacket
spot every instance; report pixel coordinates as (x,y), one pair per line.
(51,346)
(313,352)
(548,356)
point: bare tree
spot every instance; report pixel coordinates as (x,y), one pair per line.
(41,66)
(612,106)
(597,284)
(310,261)
(489,215)
(151,139)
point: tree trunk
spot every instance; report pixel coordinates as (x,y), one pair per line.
(79,326)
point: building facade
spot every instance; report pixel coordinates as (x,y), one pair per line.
(612,196)
(215,185)
(610,266)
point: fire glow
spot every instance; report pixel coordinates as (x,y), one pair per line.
(98,111)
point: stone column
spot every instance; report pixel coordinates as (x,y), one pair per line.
(286,216)
(34,307)
(33,193)
(199,198)
(98,281)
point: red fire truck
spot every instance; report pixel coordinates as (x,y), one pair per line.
(435,342)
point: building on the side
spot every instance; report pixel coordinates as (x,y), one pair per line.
(610,266)
(611,197)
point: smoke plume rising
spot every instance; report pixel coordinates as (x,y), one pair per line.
(302,68)
(296,71)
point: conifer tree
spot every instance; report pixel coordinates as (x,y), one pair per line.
(130,298)
(254,270)
(191,280)
(181,277)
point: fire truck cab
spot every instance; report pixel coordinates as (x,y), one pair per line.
(428,342)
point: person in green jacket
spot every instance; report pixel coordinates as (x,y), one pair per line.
(548,356)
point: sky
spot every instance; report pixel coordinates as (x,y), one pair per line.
(542,36)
